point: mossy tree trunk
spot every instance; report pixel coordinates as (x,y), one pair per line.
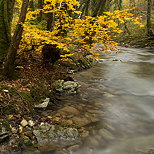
(6,14)
(15,42)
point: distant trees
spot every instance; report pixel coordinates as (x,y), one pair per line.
(94,7)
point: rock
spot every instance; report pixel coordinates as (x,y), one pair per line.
(20,129)
(44,104)
(50,135)
(84,133)
(58,85)
(69,87)
(14,130)
(95,119)
(31,123)
(106,134)
(69,122)
(4,131)
(81,121)
(95,111)
(73,148)
(108,95)
(24,123)
(70,71)
(3,136)
(92,141)
(69,110)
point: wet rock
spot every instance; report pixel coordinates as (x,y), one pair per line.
(108,95)
(106,134)
(73,148)
(24,123)
(69,110)
(52,136)
(85,133)
(92,141)
(81,121)
(71,86)
(69,122)
(95,119)
(95,111)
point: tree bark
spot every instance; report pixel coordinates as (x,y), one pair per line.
(40,6)
(14,45)
(149,31)
(6,14)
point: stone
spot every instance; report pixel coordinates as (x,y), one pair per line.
(95,111)
(95,119)
(73,148)
(69,87)
(85,133)
(69,110)
(58,85)
(31,123)
(24,123)
(3,136)
(106,134)
(108,95)
(69,122)
(14,130)
(48,135)
(81,121)
(44,104)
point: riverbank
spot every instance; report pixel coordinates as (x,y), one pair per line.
(32,101)
(136,41)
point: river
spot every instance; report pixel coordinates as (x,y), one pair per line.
(121,85)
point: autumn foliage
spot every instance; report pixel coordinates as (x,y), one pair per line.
(71,33)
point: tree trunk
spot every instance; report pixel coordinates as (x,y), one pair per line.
(31,5)
(40,6)
(149,31)
(14,45)
(6,14)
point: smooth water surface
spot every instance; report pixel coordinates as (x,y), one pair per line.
(122,86)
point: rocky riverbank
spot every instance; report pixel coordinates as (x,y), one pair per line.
(60,130)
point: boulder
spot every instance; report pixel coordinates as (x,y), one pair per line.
(49,136)
(69,87)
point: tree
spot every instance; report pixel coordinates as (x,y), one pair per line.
(6,14)
(149,30)
(14,45)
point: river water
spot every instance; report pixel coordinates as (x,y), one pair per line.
(121,85)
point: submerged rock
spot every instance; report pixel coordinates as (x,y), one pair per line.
(70,110)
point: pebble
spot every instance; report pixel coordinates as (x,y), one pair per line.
(31,123)
(24,123)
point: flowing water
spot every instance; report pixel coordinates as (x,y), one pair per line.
(122,86)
